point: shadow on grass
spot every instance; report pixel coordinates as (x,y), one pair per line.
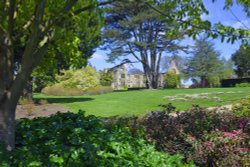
(66,99)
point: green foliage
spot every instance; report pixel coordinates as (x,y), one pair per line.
(245,84)
(214,81)
(172,80)
(106,78)
(221,149)
(227,69)
(125,87)
(74,41)
(83,78)
(76,140)
(59,90)
(209,138)
(205,63)
(73,82)
(242,108)
(241,59)
(98,90)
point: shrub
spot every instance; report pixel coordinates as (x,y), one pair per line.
(214,81)
(59,90)
(81,78)
(172,80)
(245,84)
(106,78)
(221,149)
(242,108)
(187,132)
(98,90)
(76,140)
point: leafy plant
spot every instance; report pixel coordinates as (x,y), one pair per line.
(106,78)
(189,132)
(221,149)
(83,78)
(245,84)
(172,80)
(59,90)
(242,108)
(68,139)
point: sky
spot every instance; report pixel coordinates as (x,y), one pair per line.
(216,14)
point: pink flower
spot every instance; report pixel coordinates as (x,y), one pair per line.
(243,149)
(208,145)
(229,135)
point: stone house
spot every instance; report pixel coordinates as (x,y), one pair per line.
(121,78)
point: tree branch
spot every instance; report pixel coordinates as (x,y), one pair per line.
(133,53)
(78,11)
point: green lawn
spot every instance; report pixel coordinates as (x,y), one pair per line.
(143,101)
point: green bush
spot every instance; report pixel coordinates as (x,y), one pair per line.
(81,78)
(98,90)
(221,149)
(245,84)
(172,80)
(76,140)
(242,108)
(201,135)
(214,81)
(106,78)
(59,90)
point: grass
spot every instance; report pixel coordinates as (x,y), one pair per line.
(143,101)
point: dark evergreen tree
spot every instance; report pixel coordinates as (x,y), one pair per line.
(241,59)
(205,63)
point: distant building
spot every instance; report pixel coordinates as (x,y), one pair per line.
(122,79)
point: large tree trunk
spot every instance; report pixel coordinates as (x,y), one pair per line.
(152,79)
(7,124)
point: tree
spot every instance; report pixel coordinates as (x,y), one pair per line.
(241,59)
(228,69)
(172,80)
(34,25)
(106,78)
(73,43)
(205,63)
(139,28)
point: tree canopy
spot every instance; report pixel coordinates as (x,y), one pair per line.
(140,29)
(205,63)
(28,30)
(241,59)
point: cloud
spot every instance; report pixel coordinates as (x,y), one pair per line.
(97,56)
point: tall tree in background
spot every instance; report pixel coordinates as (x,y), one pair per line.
(241,59)
(205,63)
(34,25)
(139,28)
(228,69)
